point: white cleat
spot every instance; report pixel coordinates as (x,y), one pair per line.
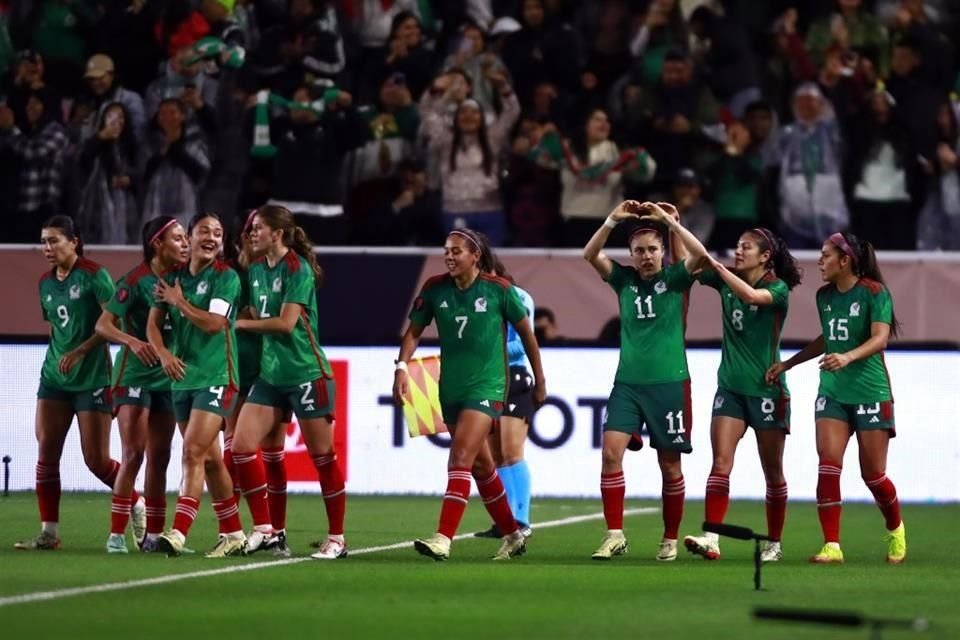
(117,543)
(613,544)
(436,546)
(706,546)
(171,542)
(667,551)
(513,545)
(332,549)
(771,552)
(260,541)
(138,520)
(229,544)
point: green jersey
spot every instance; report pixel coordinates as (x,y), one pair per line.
(845,320)
(131,303)
(210,359)
(751,337)
(653,321)
(72,306)
(294,358)
(471,323)
(249,345)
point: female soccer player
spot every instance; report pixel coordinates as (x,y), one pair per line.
(857,321)
(471,308)
(652,385)
(294,374)
(142,399)
(754,296)
(199,301)
(75,377)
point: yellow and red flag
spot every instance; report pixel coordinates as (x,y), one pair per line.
(421,404)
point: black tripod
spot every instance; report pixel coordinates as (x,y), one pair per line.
(741,533)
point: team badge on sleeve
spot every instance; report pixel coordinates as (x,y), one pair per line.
(123,294)
(821,403)
(718,402)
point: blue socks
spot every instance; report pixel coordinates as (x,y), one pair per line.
(516,482)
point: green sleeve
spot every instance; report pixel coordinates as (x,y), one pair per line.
(881,306)
(103,286)
(120,301)
(513,308)
(677,277)
(619,276)
(710,278)
(422,312)
(43,310)
(299,287)
(226,286)
(780,292)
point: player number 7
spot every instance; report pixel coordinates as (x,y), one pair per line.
(462,320)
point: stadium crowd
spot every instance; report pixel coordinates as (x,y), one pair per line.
(391,122)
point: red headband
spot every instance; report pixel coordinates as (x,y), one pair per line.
(464,234)
(763,234)
(249,221)
(159,233)
(841,243)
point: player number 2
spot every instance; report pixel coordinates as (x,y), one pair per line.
(641,302)
(840,332)
(64,315)
(263,307)
(737,319)
(462,321)
(675,423)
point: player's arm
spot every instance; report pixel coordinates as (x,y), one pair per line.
(593,252)
(809,352)
(696,255)
(210,322)
(290,313)
(71,358)
(525,330)
(408,344)
(172,365)
(108,329)
(740,288)
(879,336)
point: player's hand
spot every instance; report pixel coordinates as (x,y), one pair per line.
(655,213)
(625,211)
(774,372)
(399,387)
(171,294)
(670,209)
(145,352)
(539,393)
(172,366)
(835,361)
(70,360)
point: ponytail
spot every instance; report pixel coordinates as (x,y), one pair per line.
(866,266)
(301,245)
(781,262)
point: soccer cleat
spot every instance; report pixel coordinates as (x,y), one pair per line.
(706,546)
(117,543)
(43,542)
(526,530)
(332,549)
(138,519)
(150,545)
(278,545)
(228,544)
(436,546)
(897,545)
(492,532)
(613,544)
(512,546)
(771,552)
(171,542)
(830,554)
(259,541)
(667,551)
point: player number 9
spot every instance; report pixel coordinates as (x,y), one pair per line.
(64,315)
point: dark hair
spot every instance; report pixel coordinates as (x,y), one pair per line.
(781,262)
(155,120)
(127,143)
(501,270)
(648,227)
(865,266)
(399,19)
(578,137)
(481,244)
(66,227)
(149,230)
(200,216)
(481,136)
(758,105)
(280,219)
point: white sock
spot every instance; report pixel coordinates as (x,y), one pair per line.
(337,538)
(834,545)
(615,532)
(51,528)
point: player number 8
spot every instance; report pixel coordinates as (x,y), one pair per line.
(64,315)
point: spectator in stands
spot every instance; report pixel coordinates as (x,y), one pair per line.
(736,178)
(917,98)
(105,89)
(226,187)
(125,32)
(881,176)
(223,24)
(312,143)
(408,214)
(844,83)
(179,26)
(812,205)
(108,212)
(184,78)
(177,165)
(8,57)
(605,28)
(407,55)
(545,327)
(38,145)
(762,123)
(661,30)
(531,188)
(696,214)
(915,23)
(851,27)
(58,33)
(372,22)
(470,55)
(788,63)
(728,60)
(394,122)
(469,152)
(28,80)
(939,224)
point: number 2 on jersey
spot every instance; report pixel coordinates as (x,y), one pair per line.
(462,321)
(263,307)
(641,302)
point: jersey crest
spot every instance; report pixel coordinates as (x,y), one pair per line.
(480,305)
(201,287)
(660,287)
(855,310)
(74,292)
(277,285)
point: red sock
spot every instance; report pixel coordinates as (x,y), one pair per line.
(495,500)
(828,500)
(718,498)
(673,493)
(186,513)
(119,513)
(334,491)
(454,500)
(276,486)
(156,514)
(228,463)
(253,482)
(48,491)
(776,510)
(228,515)
(886,496)
(613,489)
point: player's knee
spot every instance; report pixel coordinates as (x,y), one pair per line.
(194,455)
(774,475)
(482,468)
(96,462)
(158,460)
(510,460)
(722,465)
(612,458)
(670,469)
(133,456)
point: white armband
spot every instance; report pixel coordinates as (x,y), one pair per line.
(220,307)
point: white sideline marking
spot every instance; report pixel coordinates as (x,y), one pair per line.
(41,596)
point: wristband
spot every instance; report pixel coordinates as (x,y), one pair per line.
(401,366)
(610,223)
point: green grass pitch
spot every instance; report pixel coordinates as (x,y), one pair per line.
(555,591)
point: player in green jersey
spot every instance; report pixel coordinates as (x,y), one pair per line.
(141,394)
(857,321)
(652,384)
(471,309)
(754,296)
(75,378)
(294,375)
(199,300)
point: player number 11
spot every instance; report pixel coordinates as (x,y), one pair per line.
(641,302)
